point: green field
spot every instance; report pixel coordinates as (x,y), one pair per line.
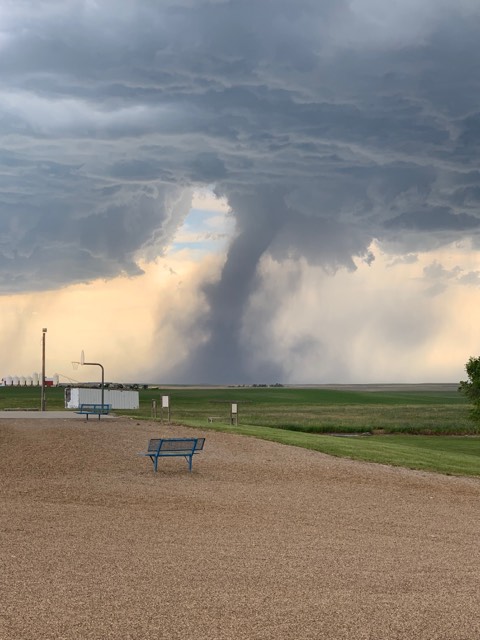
(417,427)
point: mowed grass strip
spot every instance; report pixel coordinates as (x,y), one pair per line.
(449,455)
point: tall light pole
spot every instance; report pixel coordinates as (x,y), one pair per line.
(42,403)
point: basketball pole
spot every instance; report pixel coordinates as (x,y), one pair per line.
(97,364)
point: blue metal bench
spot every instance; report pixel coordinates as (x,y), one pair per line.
(89,409)
(172,447)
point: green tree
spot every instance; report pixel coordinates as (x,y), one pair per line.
(471,387)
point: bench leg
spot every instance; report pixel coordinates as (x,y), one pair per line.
(189,460)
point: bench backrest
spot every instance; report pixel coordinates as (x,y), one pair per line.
(157,445)
(97,408)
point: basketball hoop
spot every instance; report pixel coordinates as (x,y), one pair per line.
(76,363)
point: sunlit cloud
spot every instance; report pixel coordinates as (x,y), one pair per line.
(371,325)
(127,324)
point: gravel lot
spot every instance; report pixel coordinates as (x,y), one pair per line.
(260,541)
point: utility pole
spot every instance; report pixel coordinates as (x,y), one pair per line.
(44,331)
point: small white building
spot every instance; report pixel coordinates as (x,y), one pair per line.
(117,398)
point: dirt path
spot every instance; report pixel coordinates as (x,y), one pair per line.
(260,541)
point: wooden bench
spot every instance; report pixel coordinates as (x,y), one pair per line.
(92,409)
(172,447)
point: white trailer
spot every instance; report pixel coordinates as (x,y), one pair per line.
(117,398)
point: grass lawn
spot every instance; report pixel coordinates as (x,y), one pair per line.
(393,427)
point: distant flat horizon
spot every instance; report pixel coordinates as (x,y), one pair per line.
(320,385)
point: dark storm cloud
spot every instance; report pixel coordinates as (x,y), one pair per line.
(434,219)
(325,124)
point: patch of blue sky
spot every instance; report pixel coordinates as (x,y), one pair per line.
(204,231)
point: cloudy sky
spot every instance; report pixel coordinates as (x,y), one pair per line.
(240,190)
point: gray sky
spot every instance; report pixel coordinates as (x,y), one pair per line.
(326,124)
